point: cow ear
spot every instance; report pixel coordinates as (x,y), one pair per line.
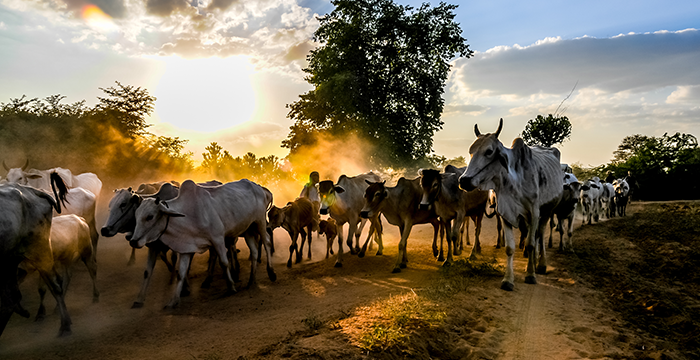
(385,194)
(168,211)
(129,190)
(339,189)
(34,176)
(502,159)
(595,186)
(567,187)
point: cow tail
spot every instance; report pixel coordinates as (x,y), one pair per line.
(57,182)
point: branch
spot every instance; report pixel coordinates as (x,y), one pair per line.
(556,112)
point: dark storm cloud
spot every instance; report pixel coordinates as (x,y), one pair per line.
(637,63)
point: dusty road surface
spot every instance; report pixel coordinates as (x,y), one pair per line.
(314,310)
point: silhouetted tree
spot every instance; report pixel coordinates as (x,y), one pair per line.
(127,107)
(547,131)
(380,74)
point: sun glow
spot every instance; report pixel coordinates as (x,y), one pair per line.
(205,94)
(97,18)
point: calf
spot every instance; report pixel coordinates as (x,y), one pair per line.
(330,228)
(566,210)
(591,191)
(70,238)
(295,217)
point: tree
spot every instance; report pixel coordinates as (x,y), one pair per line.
(379,74)
(126,108)
(547,131)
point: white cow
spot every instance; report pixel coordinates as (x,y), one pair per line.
(607,200)
(79,201)
(204,217)
(344,202)
(591,192)
(528,184)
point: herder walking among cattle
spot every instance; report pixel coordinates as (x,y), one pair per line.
(528,184)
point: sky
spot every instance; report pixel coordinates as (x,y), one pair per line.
(224,70)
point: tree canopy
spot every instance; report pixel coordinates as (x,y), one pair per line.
(379,74)
(547,131)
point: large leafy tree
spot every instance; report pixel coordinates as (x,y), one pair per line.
(547,131)
(379,74)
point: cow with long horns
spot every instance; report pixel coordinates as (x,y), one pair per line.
(528,184)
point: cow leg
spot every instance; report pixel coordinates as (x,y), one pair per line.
(377,228)
(552,225)
(267,242)
(401,258)
(356,233)
(459,241)
(508,282)
(329,245)
(91,264)
(309,232)
(477,242)
(132,258)
(147,274)
(211,267)
(292,247)
(530,246)
(41,312)
(233,258)
(542,260)
(500,241)
(300,252)
(253,246)
(436,230)
(452,233)
(183,264)
(441,255)
(339,259)
(54,285)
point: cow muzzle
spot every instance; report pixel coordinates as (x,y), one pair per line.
(323,211)
(106,232)
(424,207)
(466,183)
(135,244)
(364,214)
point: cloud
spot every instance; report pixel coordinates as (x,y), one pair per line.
(113,8)
(632,62)
(685,94)
(165,7)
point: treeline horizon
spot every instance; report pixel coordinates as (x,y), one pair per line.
(112,140)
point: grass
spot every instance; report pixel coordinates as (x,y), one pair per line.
(386,324)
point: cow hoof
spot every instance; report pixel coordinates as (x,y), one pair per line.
(298,260)
(137,305)
(402,265)
(457,252)
(472,257)
(396,270)
(65,332)
(441,258)
(338,264)
(379,253)
(541,270)
(230,292)
(357,249)
(289,263)
(271,275)
(507,285)
(361,254)
(95,300)
(207,283)
(530,279)
(185,292)
(352,251)
(435,253)
(447,264)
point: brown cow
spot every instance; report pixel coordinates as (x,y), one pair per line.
(295,217)
(330,228)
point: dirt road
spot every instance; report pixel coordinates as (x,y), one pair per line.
(559,318)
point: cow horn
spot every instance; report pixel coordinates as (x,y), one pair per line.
(5,166)
(476,130)
(500,126)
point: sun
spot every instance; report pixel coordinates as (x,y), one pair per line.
(205,95)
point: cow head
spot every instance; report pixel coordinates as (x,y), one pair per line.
(122,213)
(431,183)
(488,158)
(152,220)
(328,192)
(374,196)
(276,216)
(19,175)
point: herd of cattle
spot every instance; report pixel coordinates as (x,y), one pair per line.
(47,218)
